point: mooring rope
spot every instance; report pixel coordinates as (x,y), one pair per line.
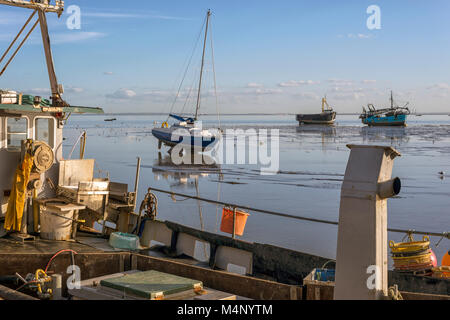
(291,216)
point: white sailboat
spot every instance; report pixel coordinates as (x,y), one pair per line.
(188,132)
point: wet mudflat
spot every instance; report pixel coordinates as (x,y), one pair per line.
(312,162)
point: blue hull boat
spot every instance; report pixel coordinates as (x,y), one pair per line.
(204,139)
(393,116)
(395,120)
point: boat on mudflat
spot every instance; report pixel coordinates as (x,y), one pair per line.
(328,116)
(188,133)
(393,116)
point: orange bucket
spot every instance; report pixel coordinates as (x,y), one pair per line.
(227,221)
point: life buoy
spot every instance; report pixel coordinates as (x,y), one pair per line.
(165,125)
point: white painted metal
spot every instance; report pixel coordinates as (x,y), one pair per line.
(226,256)
(10,159)
(156,231)
(362,235)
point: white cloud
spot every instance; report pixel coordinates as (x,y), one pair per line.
(341,82)
(122,94)
(297,83)
(368,81)
(115,15)
(254,85)
(71,89)
(440,86)
(69,37)
(39,91)
(359,36)
(308,95)
(348,96)
(108,73)
(267,91)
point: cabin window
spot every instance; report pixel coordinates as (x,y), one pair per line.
(45,131)
(17,129)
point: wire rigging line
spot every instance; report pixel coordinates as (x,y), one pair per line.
(214,75)
(191,88)
(187,68)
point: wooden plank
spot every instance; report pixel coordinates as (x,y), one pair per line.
(59,204)
(319,292)
(91,264)
(9,294)
(89,288)
(423,296)
(325,291)
(212,294)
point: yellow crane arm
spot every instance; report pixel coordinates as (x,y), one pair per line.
(45,5)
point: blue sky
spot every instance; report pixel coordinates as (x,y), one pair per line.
(270,56)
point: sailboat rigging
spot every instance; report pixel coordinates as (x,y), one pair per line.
(188,132)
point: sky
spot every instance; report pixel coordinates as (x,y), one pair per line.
(269,56)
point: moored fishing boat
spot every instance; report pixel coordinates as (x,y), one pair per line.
(327,117)
(393,116)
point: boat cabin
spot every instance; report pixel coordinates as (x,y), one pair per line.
(44,127)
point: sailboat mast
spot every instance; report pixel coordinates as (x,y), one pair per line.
(203,64)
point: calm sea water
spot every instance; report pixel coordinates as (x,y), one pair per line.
(312,166)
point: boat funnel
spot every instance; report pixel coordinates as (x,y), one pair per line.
(362,248)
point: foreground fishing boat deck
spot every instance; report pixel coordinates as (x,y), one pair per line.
(274,273)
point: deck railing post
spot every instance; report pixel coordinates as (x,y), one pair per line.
(234,222)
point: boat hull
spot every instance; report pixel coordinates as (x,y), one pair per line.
(397,121)
(169,138)
(326,118)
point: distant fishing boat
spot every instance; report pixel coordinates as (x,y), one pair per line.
(187,132)
(110,120)
(393,116)
(328,115)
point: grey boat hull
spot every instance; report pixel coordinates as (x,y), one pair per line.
(326,118)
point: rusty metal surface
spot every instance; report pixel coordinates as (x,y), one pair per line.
(9,246)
